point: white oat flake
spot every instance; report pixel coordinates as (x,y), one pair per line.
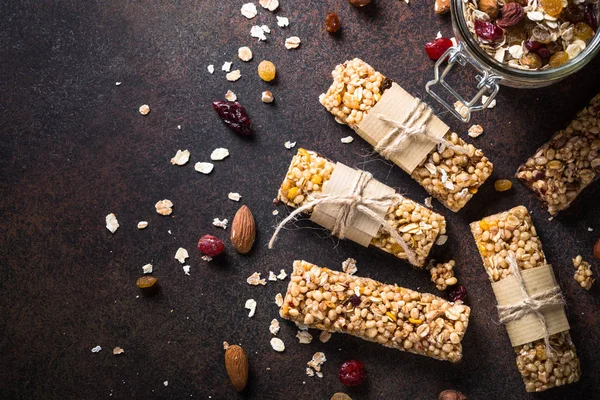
(245,54)
(96,349)
(347,139)
(272,276)
(206,258)
(282,275)
(475,131)
(317,360)
(279,299)
(230,96)
(250,305)
(255,280)
(324,336)
(234,196)
(274,327)
(304,337)
(233,75)
(111,223)
(349,266)
(147,269)
(219,154)
(277,344)
(181,255)
(226,66)
(204,167)
(210,68)
(289,145)
(282,22)
(270,5)
(258,32)
(442,239)
(292,42)
(220,223)
(248,10)
(142,224)
(181,157)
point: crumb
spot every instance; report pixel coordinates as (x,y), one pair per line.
(250,305)
(225,345)
(166,383)
(220,223)
(272,276)
(226,66)
(118,83)
(289,145)
(484,99)
(282,22)
(282,275)
(211,69)
(324,336)
(274,327)
(279,299)
(181,158)
(428,202)
(234,196)
(206,258)
(347,139)
(186,269)
(255,280)
(147,269)
(317,360)
(258,32)
(270,5)
(275,212)
(117,350)
(245,54)
(267,97)
(96,349)
(111,223)
(181,255)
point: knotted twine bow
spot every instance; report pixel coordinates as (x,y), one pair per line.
(414,124)
(351,204)
(530,304)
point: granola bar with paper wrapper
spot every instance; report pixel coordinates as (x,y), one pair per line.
(390,315)
(405,131)
(312,177)
(515,262)
(562,168)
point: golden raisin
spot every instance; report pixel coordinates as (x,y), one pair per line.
(502,185)
(292,193)
(583,31)
(266,70)
(552,7)
(532,60)
(558,59)
(332,22)
(146,281)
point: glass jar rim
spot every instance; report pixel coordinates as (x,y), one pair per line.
(590,51)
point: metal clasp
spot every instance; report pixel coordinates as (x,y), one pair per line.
(487,83)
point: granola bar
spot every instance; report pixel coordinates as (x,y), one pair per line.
(418,225)
(449,176)
(568,163)
(393,316)
(513,231)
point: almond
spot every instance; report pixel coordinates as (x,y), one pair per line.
(243,230)
(236,363)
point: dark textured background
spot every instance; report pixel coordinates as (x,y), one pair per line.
(74,148)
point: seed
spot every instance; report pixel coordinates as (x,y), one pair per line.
(332,22)
(502,185)
(267,70)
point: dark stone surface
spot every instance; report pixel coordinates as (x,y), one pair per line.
(74,148)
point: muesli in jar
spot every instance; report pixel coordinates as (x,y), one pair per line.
(532,34)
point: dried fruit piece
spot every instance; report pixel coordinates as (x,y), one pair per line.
(597,249)
(459,293)
(352,373)
(164,207)
(543,52)
(502,185)
(591,17)
(583,31)
(552,7)
(531,60)
(234,116)
(558,59)
(332,22)
(452,395)
(488,31)
(359,3)
(574,13)
(211,246)
(532,45)
(490,7)
(437,47)
(236,364)
(146,281)
(541,34)
(512,14)
(144,109)
(267,71)
(243,230)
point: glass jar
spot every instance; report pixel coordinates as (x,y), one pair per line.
(490,72)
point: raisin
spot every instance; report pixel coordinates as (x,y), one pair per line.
(543,52)
(234,116)
(146,281)
(211,246)
(488,31)
(386,84)
(558,59)
(436,48)
(552,7)
(355,300)
(352,373)
(591,17)
(532,45)
(459,293)
(267,71)
(532,60)
(574,13)
(332,22)
(502,185)
(583,31)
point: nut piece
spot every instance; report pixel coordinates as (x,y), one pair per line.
(164,207)
(441,6)
(490,7)
(341,396)
(267,97)
(452,395)
(597,249)
(359,3)
(236,364)
(243,230)
(512,14)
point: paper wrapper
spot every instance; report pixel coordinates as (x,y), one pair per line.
(362,228)
(529,328)
(396,103)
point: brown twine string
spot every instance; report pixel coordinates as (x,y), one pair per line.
(414,124)
(349,206)
(530,304)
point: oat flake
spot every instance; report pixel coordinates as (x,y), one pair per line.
(274,327)
(164,207)
(475,131)
(245,54)
(117,350)
(282,22)
(233,75)
(219,154)
(249,10)
(147,269)
(347,139)
(292,42)
(304,337)
(181,255)
(272,276)
(279,299)
(181,158)
(251,305)
(484,99)
(324,336)
(234,196)
(277,344)
(289,145)
(441,240)
(142,224)
(96,349)
(257,32)
(349,266)
(255,280)
(111,223)
(270,5)
(230,96)
(211,69)
(204,167)
(220,223)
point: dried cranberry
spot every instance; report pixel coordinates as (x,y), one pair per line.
(488,31)
(532,45)
(459,293)
(211,246)
(543,52)
(437,47)
(355,300)
(591,17)
(234,115)
(352,373)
